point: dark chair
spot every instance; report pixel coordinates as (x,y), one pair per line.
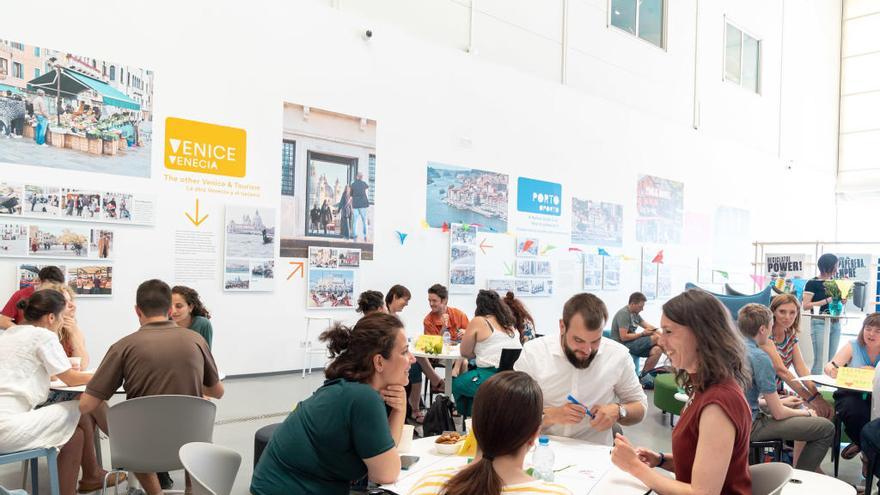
(872,468)
(261,439)
(508,359)
(757,449)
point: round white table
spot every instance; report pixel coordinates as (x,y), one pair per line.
(585,467)
(449,358)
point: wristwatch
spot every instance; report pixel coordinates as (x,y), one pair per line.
(621,411)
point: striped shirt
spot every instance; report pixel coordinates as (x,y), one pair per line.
(433,482)
(786,352)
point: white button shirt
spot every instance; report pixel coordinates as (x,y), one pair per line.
(610,378)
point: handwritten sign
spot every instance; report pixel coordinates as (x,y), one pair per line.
(856,378)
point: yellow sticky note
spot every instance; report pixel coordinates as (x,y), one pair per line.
(205,148)
(856,378)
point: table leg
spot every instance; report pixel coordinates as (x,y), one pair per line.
(447,377)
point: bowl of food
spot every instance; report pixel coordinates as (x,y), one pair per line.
(448,443)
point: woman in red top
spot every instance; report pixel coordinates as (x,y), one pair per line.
(699,337)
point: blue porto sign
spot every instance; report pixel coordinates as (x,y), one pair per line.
(537,196)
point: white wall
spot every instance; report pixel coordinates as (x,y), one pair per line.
(627,110)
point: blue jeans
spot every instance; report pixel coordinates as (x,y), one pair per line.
(817,330)
(360,213)
(42,128)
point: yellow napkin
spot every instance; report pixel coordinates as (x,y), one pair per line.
(469,447)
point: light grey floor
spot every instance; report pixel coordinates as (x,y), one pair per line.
(251,403)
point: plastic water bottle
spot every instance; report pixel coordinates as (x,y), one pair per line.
(543,460)
(447,340)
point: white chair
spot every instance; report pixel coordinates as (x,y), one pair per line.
(769,478)
(212,468)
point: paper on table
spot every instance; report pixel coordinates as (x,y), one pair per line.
(831,382)
(856,378)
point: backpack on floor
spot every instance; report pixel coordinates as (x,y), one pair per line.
(439,417)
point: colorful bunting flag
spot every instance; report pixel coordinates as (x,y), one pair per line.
(401,236)
(658,258)
(602,252)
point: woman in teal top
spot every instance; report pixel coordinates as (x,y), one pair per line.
(343,432)
(188,311)
(854,408)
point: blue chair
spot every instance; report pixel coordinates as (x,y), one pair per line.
(735,303)
(32,456)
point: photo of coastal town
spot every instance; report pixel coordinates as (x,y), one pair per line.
(467,196)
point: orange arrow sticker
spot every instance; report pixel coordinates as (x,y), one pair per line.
(196,221)
(483,246)
(297,267)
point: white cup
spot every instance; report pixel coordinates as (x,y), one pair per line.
(406,438)
(75,363)
(468,425)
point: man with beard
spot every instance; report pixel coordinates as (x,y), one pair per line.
(597,372)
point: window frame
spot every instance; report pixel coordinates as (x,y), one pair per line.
(742,34)
(663,24)
(17,70)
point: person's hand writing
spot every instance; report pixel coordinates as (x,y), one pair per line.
(569,414)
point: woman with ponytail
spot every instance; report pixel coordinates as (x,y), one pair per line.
(343,432)
(523,321)
(506,423)
(30,353)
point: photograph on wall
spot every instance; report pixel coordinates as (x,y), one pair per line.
(349,258)
(237,275)
(462,258)
(323,257)
(660,207)
(13,239)
(462,234)
(533,287)
(41,201)
(466,196)
(75,111)
(91,280)
(101,244)
(116,206)
(611,273)
(501,285)
(539,207)
(597,223)
(592,272)
(533,268)
(462,255)
(527,247)
(58,241)
(10,198)
(28,274)
(331,289)
(250,232)
(656,279)
(82,205)
(262,275)
(328,181)
(463,276)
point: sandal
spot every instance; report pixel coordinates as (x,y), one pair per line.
(850,451)
(419,417)
(87,487)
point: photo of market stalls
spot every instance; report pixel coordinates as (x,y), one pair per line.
(68,111)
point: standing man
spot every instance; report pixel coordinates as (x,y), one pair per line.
(158,359)
(361,204)
(11,315)
(595,371)
(41,112)
(641,344)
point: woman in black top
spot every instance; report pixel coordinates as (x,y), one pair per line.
(815,296)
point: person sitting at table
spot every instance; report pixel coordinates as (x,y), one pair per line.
(487,335)
(854,408)
(342,432)
(787,421)
(642,344)
(371,301)
(815,296)
(158,359)
(442,318)
(710,443)
(10,315)
(506,423)
(523,321)
(188,311)
(870,437)
(396,299)
(30,354)
(597,372)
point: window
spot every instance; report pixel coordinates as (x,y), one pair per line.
(4,67)
(288,157)
(18,46)
(17,70)
(112,72)
(742,58)
(371,179)
(642,18)
(36,51)
(36,72)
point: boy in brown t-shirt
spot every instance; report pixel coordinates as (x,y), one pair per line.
(158,359)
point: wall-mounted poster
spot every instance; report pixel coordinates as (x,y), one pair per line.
(611,273)
(28,274)
(656,279)
(11,196)
(66,203)
(106,122)
(59,241)
(101,244)
(660,207)
(596,223)
(331,289)
(462,258)
(527,247)
(533,268)
(467,196)
(41,201)
(325,257)
(526,287)
(592,272)
(13,239)
(77,204)
(250,249)
(501,285)
(328,181)
(854,266)
(91,280)
(539,206)
(785,266)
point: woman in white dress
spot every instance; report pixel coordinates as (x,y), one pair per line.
(29,354)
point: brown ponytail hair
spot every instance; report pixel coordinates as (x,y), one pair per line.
(507,415)
(352,349)
(520,314)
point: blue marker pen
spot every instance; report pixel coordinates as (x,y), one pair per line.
(575,401)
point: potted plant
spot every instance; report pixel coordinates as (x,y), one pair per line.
(111,142)
(835,307)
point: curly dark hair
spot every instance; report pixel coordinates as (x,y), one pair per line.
(192,298)
(352,349)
